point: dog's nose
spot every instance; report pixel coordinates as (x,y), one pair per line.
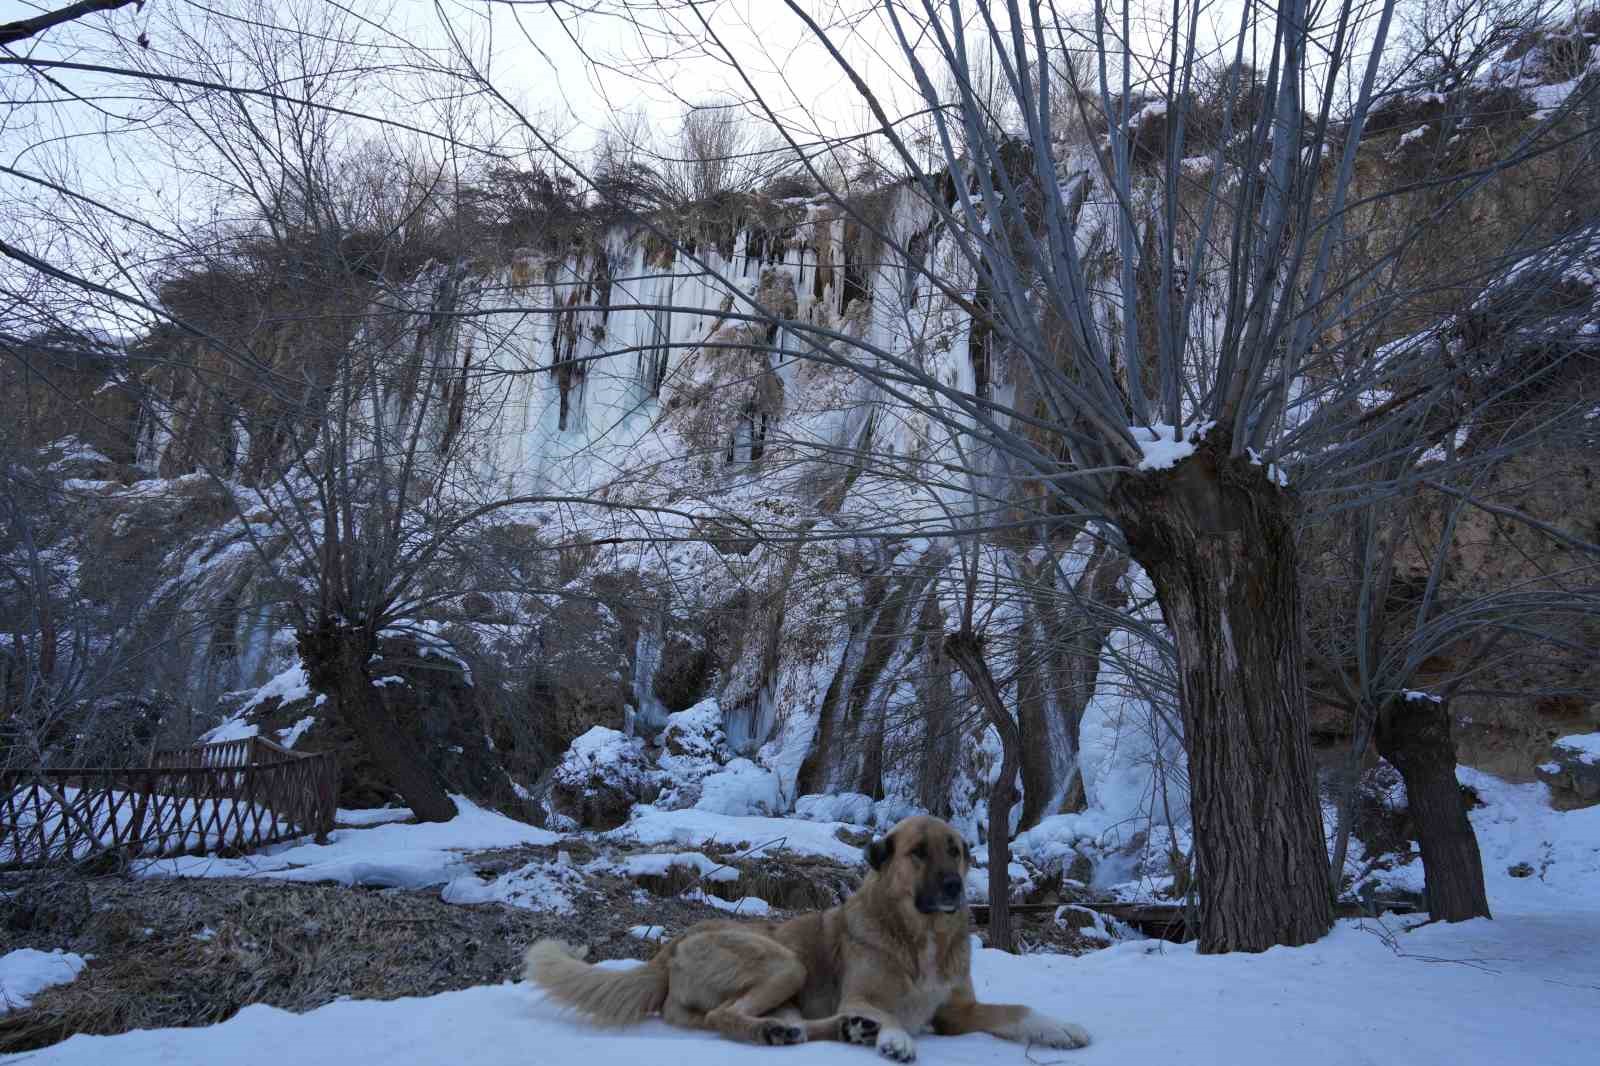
(952,886)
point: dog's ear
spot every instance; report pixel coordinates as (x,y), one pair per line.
(879,852)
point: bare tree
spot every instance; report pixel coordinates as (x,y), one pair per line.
(1226,355)
(718,149)
(1404,625)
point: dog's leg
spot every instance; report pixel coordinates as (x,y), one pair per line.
(1008,1022)
(742,1019)
(675,1013)
(862,1023)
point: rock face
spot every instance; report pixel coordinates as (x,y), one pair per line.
(1573,771)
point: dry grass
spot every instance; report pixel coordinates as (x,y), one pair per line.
(173,953)
(193,952)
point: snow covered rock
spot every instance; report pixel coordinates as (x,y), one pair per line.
(695,733)
(601,777)
(1573,771)
(740,788)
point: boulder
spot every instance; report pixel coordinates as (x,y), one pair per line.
(1573,771)
(601,776)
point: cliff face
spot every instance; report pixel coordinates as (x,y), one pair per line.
(698,507)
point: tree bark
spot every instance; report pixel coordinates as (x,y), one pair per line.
(966,651)
(1414,735)
(336,660)
(1216,537)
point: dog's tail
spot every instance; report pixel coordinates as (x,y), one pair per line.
(605,997)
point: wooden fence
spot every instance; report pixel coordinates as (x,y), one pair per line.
(226,798)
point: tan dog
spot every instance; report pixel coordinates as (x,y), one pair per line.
(890,961)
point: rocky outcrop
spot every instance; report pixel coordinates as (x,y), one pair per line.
(1573,771)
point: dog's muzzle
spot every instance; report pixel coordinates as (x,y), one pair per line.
(946,901)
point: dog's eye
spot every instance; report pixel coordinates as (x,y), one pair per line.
(955,852)
(920,852)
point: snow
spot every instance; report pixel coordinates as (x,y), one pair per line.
(854,808)
(600,747)
(658,864)
(386,856)
(373,816)
(745,907)
(25,973)
(288,737)
(1481,993)
(1516,824)
(292,684)
(740,788)
(1274,472)
(235,728)
(1160,444)
(1415,135)
(1586,746)
(541,886)
(651,825)
(1413,696)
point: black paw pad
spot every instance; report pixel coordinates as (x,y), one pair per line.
(857,1030)
(777,1033)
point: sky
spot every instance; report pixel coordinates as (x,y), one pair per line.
(556,73)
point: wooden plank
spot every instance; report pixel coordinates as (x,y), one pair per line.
(236,795)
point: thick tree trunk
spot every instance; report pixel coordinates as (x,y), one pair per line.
(1414,735)
(1216,537)
(966,651)
(336,663)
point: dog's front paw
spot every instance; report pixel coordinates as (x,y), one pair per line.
(781,1033)
(858,1030)
(897,1045)
(1045,1030)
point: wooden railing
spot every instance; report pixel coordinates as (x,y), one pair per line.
(227,798)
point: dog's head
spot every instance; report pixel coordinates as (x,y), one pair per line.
(923,862)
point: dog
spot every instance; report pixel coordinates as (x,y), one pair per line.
(889,962)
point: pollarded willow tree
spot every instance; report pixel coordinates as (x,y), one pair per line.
(1180,262)
(1166,397)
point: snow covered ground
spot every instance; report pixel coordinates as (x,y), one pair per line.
(381,854)
(26,972)
(1523,988)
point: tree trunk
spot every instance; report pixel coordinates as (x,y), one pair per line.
(966,651)
(1216,537)
(336,663)
(1414,735)
(1069,669)
(1348,783)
